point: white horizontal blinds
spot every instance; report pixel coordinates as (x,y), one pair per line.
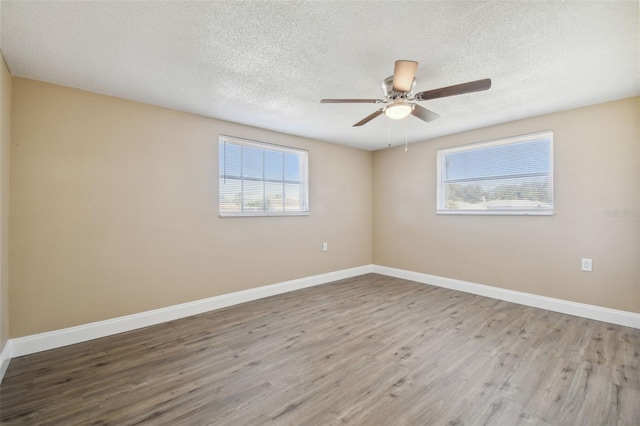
(292,183)
(260,178)
(231,197)
(511,175)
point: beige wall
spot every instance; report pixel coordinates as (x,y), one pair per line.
(114,211)
(5,135)
(596,168)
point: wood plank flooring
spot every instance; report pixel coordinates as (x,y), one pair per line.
(371,350)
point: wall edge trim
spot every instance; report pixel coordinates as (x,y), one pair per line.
(26,345)
(599,313)
(5,358)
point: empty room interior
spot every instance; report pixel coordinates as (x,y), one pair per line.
(320,213)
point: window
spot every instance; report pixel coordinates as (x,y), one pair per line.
(260,179)
(506,176)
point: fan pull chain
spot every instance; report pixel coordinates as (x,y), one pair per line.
(406,147)
(388,133)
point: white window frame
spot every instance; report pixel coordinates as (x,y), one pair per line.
(442,153)
(304,177)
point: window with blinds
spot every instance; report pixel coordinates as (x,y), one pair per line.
(260,179)
(506,176)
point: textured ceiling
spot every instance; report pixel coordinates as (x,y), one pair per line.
(268,64)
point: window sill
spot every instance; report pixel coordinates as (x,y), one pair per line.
(263,214)
(498,212)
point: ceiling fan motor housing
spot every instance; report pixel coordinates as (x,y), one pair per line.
(389,93)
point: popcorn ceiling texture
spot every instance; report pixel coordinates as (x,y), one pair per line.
(268,64)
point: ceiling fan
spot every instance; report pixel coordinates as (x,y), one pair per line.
(399,97)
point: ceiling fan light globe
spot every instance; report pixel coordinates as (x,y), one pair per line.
(398,111)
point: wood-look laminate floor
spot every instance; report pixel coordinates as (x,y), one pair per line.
(371,350)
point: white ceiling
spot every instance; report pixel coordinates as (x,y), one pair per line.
(268,64)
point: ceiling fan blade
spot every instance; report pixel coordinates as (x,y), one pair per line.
(351,101)
(458,89)
(369,118)
(423,113)
(403,75)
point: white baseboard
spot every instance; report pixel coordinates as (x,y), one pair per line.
(54,339)
(68,336)
(613,316)
(5,358)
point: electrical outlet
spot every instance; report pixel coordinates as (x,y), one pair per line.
(587,265)
(325,247)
